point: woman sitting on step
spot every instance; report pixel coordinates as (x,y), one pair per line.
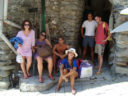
(27,34)
(68,69)
(42,41)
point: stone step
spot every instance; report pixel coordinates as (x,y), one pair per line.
(4,63)
(4,46)
(7,57)
(121,70)
(32,84)
(4,84)
(4,73)
(7,68)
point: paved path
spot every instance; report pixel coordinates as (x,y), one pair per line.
(105,85)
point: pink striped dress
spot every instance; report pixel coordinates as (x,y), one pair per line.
(28,42)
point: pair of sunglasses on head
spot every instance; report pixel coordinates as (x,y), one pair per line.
(43,35)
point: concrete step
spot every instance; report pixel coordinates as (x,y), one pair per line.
(32,84)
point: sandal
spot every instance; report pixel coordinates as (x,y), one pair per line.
(98,73)
(29,75)
(41,80)
(73,91)
(25,77)
(57,89)
(51,77)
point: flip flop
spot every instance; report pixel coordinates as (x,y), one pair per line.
(57,89)
(51,77)
(41,80)
(73,91)
(29,75)
(98,73)
(25,77)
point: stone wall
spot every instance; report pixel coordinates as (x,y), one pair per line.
(18,10)
(119,47)
(65,18)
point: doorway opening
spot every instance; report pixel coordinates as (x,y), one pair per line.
(102,8)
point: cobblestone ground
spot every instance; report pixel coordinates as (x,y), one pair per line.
(103,86)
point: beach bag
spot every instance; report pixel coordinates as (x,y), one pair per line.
(44,51)
(86,69)
(19,58)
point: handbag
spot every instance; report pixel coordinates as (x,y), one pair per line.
(19,58)
(44,51)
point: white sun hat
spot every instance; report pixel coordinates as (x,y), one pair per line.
(72,50)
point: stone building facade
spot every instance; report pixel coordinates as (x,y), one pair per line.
(18,11)
(64,18)
(119,48)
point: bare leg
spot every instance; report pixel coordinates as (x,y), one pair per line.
(92,55)
(29,63)
(23,67)
(54,63)
(100,57)
(72,78)
(40,66)
(61,79)
(50,64)
(84,52)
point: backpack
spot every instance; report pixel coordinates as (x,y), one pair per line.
(106,33)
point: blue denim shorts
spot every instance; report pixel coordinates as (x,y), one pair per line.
(88,41)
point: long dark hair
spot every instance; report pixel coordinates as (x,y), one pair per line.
(30,24)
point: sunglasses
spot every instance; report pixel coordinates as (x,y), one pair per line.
(43,35)
(26,24)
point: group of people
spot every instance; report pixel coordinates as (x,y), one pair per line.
(96,35)
(61,51)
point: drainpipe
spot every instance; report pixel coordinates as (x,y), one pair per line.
(43,14)
(45,26)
